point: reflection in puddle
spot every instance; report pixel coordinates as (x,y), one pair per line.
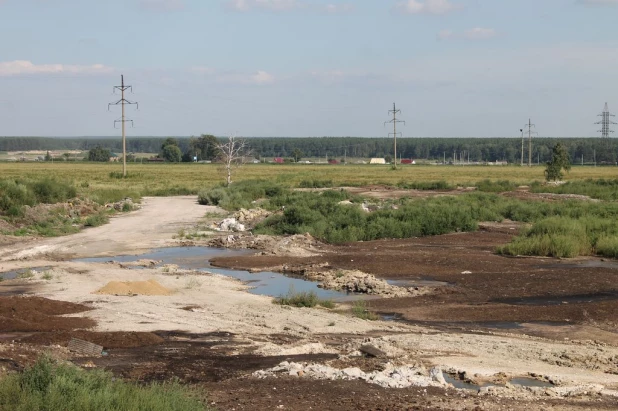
(530,382)
(22,272)
(262,283)
(423,282)
(518,382)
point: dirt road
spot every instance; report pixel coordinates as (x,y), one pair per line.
(152,226)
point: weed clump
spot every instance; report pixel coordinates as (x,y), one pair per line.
(360,309)
(52,386)
(308,299)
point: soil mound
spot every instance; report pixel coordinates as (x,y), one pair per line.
(150,287)
(40,314)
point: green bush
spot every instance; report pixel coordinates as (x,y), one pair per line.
(495,186)
(50,191)
(425,185)
(360,309)
(607,246)
(315,184)
(49,386)
(96,220)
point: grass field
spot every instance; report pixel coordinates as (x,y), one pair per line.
(170,179)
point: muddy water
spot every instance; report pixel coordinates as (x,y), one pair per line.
(11,275)
(197,258)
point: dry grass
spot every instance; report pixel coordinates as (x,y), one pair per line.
(154,179)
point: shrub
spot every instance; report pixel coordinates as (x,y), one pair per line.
(96,220)
(425,185)
(607,246)
(495,186)
(315,183)
(307,299)
(360,309)
(51,386)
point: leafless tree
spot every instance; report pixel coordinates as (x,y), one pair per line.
(232,154)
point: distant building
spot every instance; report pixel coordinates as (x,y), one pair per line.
(278,160)
(408,161)
(333,162)
(377,161)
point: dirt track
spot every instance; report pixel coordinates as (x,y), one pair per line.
(211,331)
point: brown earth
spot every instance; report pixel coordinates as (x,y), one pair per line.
(480,286)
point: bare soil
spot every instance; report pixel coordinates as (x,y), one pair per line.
(210,332)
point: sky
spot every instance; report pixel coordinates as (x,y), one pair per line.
(308,68)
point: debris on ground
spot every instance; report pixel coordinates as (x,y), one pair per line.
(130,288)
(390,377)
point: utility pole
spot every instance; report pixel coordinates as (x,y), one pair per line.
(122,102)
(529,127)
(521,130)
(394,121)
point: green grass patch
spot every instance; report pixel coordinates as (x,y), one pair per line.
(96,220)
(361,309)
(601,189)
(499,186)
(307,299)
(51,386)
(425,185)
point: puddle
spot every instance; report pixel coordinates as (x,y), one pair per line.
(559,300)
(422,282)
(11,275)
(530,382)
(463,385)
(262,283)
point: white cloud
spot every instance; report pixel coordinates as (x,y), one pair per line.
(262,77)
(287,5)
(426,6)
(338,8)
(162,5)
(20,67)
(445,34)
(258,78)
(271,5)
(479,33)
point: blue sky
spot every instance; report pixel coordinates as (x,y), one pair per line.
(477,68)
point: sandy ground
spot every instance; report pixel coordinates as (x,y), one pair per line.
(202,303)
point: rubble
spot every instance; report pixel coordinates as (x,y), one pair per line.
(390,377)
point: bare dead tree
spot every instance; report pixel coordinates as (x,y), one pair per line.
(232,154)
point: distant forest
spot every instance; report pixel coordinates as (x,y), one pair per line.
(476,149)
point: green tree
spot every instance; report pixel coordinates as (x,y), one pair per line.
(171,153)
(297,154)
(99,154)
(205,147)
(559,161)
(48,156)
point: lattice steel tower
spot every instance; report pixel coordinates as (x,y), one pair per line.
(605,122)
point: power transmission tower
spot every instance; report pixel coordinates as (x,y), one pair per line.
(521,130)
(529,127)
(394,122)
(122,87)
(605,122)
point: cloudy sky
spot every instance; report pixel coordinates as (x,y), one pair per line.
(308,67)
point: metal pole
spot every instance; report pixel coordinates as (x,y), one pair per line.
(124,140)
(522,146)
(529,143)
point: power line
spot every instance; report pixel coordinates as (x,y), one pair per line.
(122,102)
(529,127)
(394,122)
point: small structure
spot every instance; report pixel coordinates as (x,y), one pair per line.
(332,161)
(377,161)
(278,160)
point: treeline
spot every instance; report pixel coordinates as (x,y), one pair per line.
(474,149)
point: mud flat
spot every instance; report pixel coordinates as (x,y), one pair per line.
(210,331)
